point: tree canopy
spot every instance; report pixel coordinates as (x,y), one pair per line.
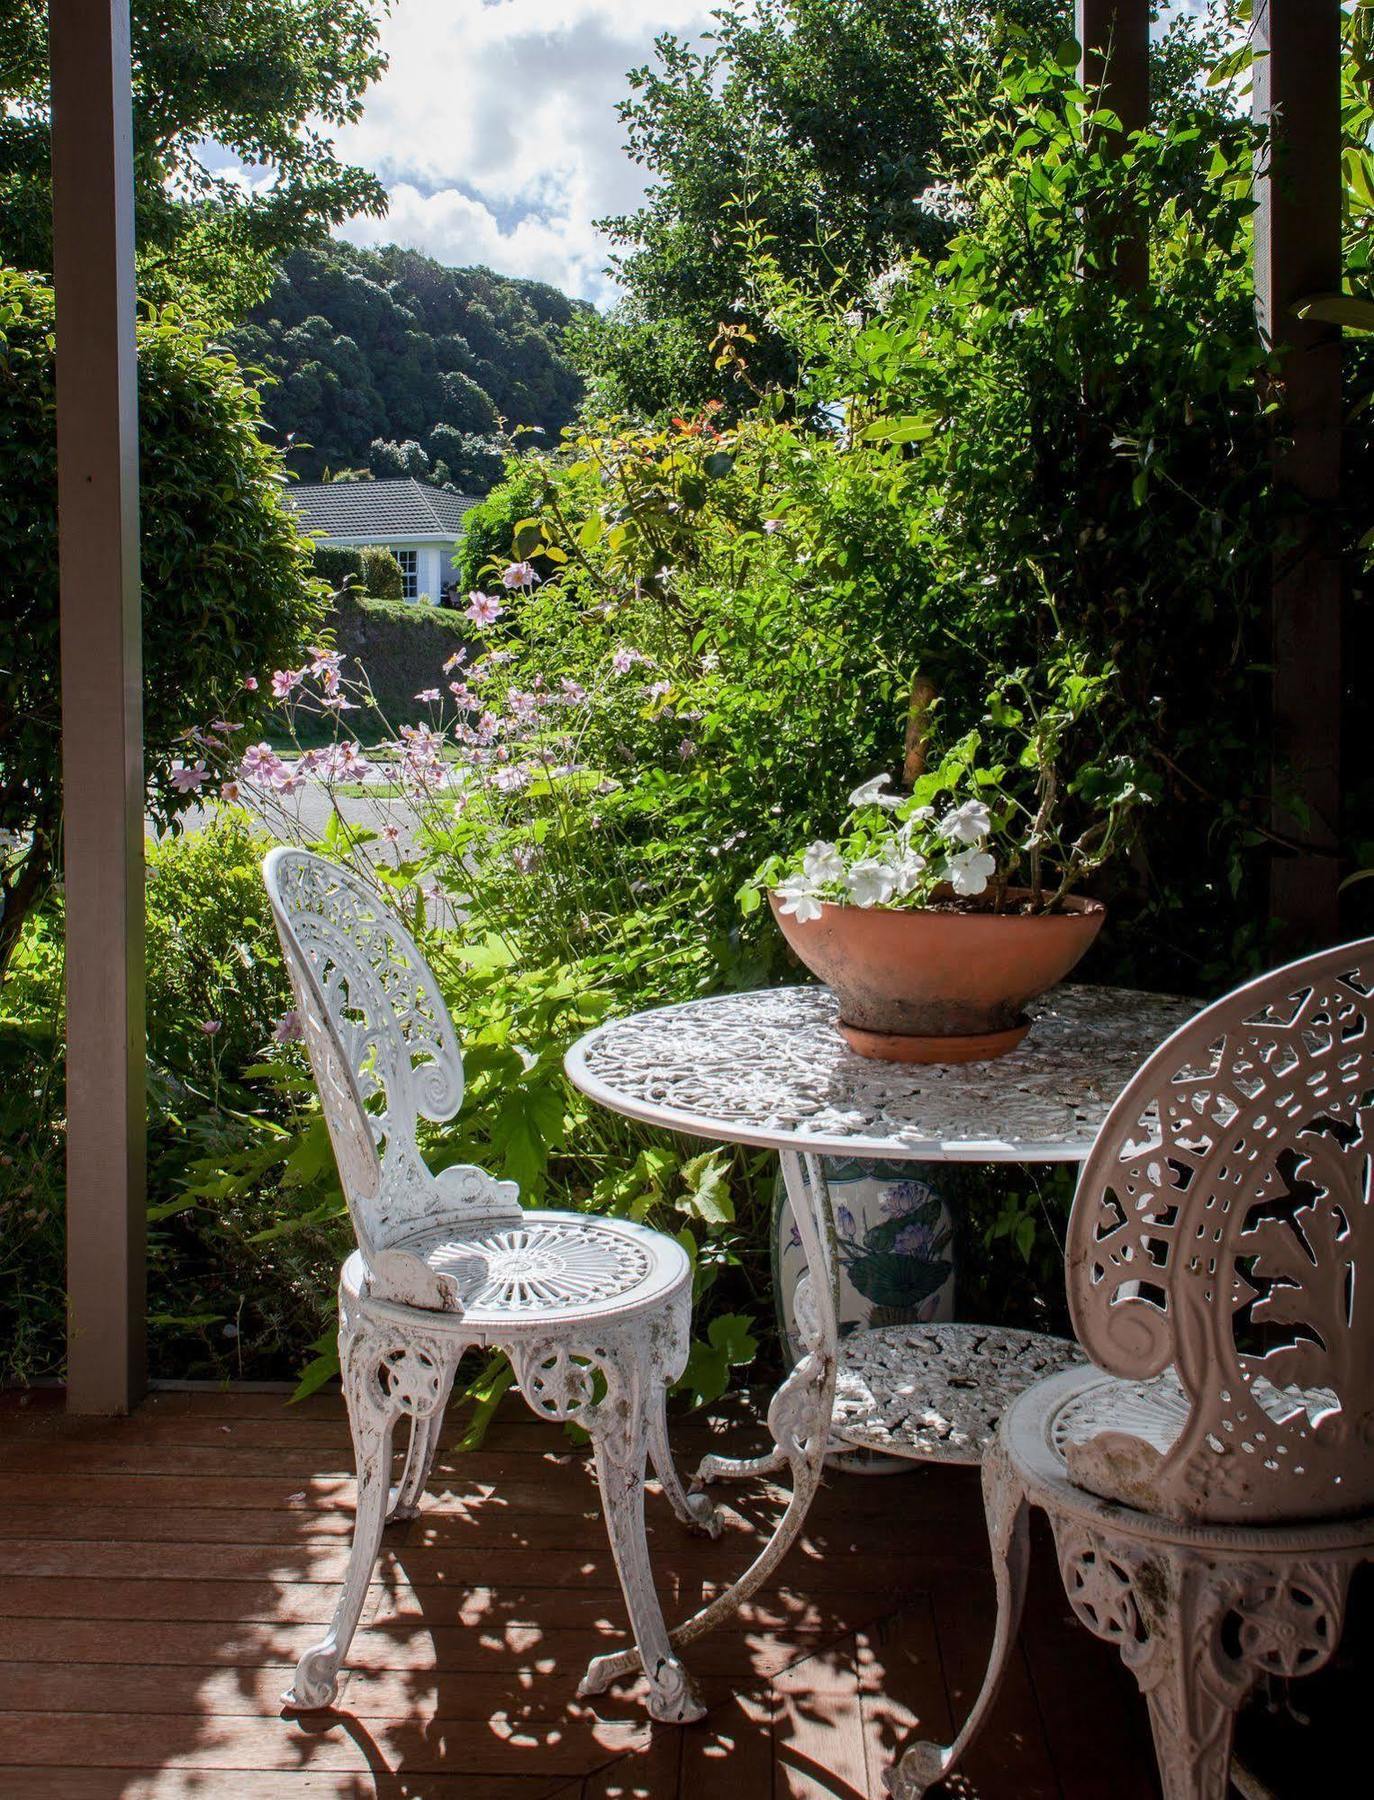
(384,360)
(817,127)
(217,84)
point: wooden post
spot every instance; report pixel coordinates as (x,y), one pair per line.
(102,713)
(1297,91)
(1115,39)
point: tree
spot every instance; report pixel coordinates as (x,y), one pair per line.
(388,359)
(262,79)
(820,125)
(227,590)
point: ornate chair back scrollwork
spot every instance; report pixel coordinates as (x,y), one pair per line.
(1218,1232)
(384,1054)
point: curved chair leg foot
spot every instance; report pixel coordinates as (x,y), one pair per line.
(621,1429)
(923,1764)
(372,1422)
(694,1509)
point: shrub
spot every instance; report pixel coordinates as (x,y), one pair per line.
(382,577)
(403,648)
(226,583)
(339,567)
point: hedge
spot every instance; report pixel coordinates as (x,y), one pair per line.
(402,644)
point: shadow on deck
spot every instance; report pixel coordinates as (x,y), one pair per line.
(159,1575)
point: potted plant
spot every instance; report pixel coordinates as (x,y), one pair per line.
(937,913)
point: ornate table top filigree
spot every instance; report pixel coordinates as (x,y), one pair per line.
(769,1068)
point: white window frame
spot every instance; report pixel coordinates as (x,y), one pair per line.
(410,573)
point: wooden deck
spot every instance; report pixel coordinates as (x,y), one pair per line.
(159,1575)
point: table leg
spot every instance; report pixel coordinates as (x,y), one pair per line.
(798,1416)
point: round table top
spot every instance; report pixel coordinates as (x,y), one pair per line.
(769,1068)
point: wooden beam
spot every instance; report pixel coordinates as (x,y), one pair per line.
(1114,36)
(1297,92)
(102,709)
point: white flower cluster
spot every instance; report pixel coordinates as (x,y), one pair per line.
(953,851)
(944,200)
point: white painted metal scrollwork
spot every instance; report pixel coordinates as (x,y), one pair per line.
(383,1049)
(1216,1234)
(593,1313)
(770,1068)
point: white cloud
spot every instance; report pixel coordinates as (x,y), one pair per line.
(494,129)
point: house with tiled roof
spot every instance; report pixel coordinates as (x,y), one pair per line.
(421,525)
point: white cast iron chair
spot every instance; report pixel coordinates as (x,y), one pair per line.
(1210,1483)
(594,1313)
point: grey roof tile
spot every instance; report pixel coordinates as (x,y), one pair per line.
(379,509)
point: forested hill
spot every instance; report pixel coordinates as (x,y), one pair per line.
(385,360)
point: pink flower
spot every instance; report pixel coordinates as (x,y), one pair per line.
(229,790)
(686,749)
(657,689)
(625,659)
(772,525)
(428,694)
(518,575)
(457,660)
(188,781)
(510,780)
(283,681)
(337,703)
(211,1027)
(260,764)
(250,684)
(462,693)
(573,691)
(288,1029)
(324,664)
(391,833)
(483,609)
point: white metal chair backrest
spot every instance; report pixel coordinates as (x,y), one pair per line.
(382,1047)
(1219,1227)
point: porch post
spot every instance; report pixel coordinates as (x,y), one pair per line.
(1297,91)
(1115,39)
(102,717)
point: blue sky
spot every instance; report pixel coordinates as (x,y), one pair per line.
(494,129)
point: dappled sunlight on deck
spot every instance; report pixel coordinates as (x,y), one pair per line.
(161,1575)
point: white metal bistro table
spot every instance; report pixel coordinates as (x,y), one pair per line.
(769,1068)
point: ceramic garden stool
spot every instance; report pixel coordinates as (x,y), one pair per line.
(1209,1477)
(594,1313)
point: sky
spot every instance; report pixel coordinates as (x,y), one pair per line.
(495,135)
(494,130)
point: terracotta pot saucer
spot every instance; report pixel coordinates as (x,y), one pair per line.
(891,1046)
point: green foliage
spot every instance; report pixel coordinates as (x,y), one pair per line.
(226,585)
(401,645)
(490,530)
(382,576)
(257,78)
(340,568)
(821,126)
(386,360)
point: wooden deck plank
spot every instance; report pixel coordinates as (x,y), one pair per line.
(160,1575)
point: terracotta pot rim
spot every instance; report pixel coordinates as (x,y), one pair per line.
(1074,906)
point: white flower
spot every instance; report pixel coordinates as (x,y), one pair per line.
(870,882)
(822,862)
(969,872)
(967,824)
(907,867)
(800,900)
(871,794)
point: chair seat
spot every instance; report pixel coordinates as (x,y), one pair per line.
(544,1268)
(937,1392)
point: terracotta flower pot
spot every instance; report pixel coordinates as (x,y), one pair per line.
(937,984)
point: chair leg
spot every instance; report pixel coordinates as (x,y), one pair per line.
(382,1382)
(425,1433)
(1008,1517)
(695,1509)
(620,1426)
